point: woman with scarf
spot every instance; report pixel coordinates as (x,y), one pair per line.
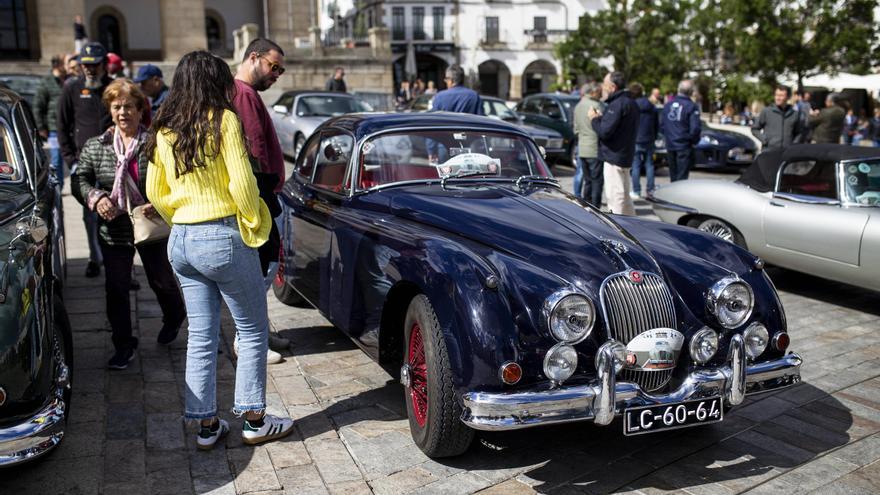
(110,178)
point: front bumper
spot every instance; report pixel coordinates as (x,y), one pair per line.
(33,437)
(601,400)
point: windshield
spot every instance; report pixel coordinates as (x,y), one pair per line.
(9,165)
(424,155)
(329,106)
(862,181)
(498,109)
(26,86)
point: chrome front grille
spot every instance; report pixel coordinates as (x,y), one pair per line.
(632,307)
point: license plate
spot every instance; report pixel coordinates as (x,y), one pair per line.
(648,419)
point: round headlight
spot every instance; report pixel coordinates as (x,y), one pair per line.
(755,339)
(703,345)
(560,362)
(571,317)
(731,301)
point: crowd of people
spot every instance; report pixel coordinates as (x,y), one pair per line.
(186,177)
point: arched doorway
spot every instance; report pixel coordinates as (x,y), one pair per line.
(215,32)
(428,68)
(108,28)
(494,79)
(538,77)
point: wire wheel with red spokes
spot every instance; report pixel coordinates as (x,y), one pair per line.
(418,389)
(432,404)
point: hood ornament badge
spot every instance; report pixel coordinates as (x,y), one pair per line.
(616,246)
(636,277)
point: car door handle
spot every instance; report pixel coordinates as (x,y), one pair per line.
(774,203)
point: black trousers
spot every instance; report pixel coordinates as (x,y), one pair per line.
(118,261)
(680,164)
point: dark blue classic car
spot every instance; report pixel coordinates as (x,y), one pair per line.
(443,247)
(718,148)
(35,335)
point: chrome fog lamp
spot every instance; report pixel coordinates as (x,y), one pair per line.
(570,316)
(731,300)
(755,339)
(703,345)
(560,362)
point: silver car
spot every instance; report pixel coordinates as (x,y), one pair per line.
(813,208)
(296,114)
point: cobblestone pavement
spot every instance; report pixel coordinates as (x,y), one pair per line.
(126,434)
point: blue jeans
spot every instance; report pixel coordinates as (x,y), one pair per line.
(56,164)
(589,181)
(212,264)
(644,155)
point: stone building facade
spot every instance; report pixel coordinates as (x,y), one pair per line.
(161,31)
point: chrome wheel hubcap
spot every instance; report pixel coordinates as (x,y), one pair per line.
(718,229)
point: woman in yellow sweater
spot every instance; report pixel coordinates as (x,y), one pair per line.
(200,181)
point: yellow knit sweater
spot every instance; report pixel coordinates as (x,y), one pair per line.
(225,186)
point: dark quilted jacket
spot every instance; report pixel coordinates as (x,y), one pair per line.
(96,170)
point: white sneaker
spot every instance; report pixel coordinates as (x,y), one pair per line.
(273,428)
(207,437)
(272,357)
(633,195)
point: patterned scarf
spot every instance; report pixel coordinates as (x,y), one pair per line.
(124,186)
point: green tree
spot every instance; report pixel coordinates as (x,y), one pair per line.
(804,37)
(640,37)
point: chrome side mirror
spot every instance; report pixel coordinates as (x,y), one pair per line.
(32,229)
(279,109)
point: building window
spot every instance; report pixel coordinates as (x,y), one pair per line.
(214,33)
(438,13)
(491,30)
(418,23)
(397,26)
(14,37)
(540,35)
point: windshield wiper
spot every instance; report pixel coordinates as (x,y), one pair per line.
(461,175)
(535,178)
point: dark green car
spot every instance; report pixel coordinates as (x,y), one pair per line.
(36,352)
(553,111)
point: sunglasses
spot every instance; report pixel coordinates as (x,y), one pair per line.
(273,66)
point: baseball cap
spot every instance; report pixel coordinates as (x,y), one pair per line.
(92,53)
(146,72)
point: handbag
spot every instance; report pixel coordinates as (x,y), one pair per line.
(146,229)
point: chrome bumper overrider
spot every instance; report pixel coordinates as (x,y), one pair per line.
(601,400)
(33,437)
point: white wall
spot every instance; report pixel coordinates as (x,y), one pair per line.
(141,21)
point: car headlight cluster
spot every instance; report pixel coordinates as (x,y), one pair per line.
(708,140)
(560,362)
(570,316)
(704,345)
(731,300)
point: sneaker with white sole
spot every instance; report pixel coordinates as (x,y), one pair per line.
(272,428)
(272,357)
(210,435)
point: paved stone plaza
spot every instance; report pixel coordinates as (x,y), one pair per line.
(126,434)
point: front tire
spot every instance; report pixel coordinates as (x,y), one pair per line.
(62,343)
(720,229)
(431,402)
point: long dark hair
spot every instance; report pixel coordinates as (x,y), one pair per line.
(193,110)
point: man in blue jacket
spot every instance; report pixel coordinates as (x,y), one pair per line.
(616,128)
(681,126)
(457,98)
(649,122)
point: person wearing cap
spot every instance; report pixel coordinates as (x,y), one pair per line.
(150,78)
(81,114)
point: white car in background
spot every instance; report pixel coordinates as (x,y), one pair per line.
(296,114)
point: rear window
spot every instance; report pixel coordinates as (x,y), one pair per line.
(10,166)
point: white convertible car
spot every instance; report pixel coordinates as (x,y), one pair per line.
(813,208)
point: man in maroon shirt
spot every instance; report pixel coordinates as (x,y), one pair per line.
(262,65)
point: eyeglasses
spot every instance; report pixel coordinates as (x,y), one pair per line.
(273,66)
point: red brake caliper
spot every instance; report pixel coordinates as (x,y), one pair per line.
(418,389)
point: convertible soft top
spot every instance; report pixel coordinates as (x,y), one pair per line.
(761,174)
